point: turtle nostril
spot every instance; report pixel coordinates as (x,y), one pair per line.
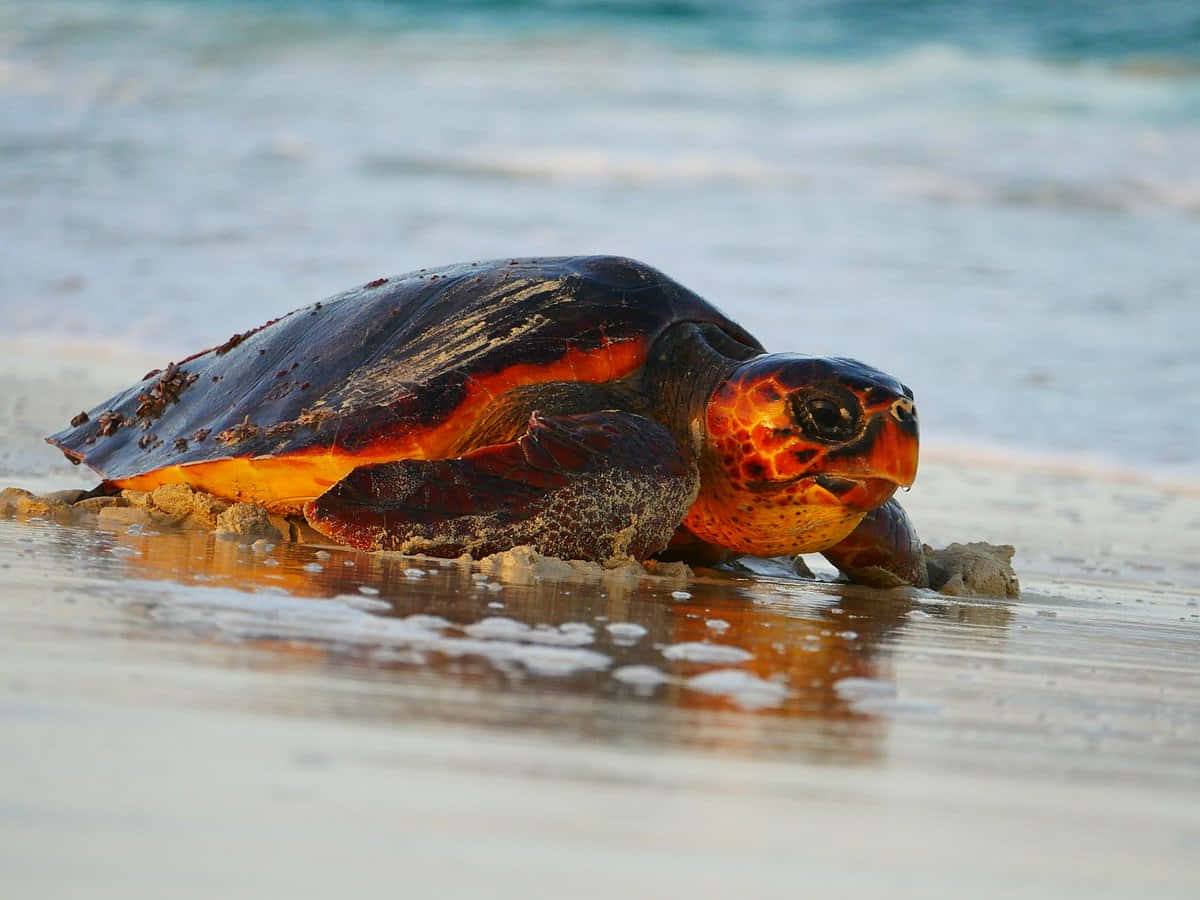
(904,411)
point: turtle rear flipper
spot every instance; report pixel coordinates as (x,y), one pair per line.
(588,486)
(882,551)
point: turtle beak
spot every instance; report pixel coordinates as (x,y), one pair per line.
(889,460)
(866,480)
(894,456)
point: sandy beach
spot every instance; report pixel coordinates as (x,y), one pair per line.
(190,716)
(997,204)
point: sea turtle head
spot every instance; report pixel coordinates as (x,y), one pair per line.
(797,449)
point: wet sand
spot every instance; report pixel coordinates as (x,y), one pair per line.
(190,716)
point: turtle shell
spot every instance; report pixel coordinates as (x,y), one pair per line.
(395,369)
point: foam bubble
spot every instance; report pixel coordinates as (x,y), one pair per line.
(698,652)
(626,633)
(641,676)
(746,690)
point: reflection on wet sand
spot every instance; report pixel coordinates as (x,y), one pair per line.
(757,649)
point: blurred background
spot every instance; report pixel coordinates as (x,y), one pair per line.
(996,200)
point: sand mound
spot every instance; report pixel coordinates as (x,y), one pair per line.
(27,505)
(973,570)
(169,506)
(676,571)
(521,564)
(247,523)
(177,504)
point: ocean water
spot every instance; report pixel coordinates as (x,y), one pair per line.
(999,202)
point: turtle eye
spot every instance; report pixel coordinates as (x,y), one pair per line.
(826,419)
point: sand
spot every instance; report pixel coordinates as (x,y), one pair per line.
(977,569)
(190,713)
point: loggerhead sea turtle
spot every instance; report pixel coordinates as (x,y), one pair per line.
(588,406)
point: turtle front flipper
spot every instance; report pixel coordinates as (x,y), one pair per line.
(589,486)
(882,551)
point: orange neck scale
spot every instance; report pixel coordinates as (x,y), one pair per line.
(799,518)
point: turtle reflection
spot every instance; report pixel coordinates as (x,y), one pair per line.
(802,638)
